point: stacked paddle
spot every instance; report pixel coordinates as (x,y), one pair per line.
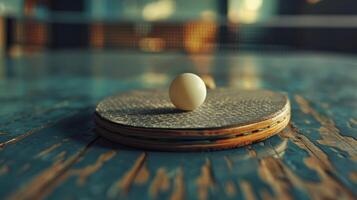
(229,118)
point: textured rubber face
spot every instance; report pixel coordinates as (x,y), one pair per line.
(235,118)
(223,108)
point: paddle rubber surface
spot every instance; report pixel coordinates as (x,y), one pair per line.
(228,118)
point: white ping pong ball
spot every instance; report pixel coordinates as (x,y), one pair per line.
(187,91)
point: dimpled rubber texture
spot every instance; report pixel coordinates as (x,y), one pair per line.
(229,118)
(223,108)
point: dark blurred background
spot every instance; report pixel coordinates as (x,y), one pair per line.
(195,26)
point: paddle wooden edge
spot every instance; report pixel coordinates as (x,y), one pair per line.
(158,145)
(188,133)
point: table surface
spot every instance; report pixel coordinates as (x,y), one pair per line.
(48,148)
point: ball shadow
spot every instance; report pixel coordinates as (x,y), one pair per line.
(149,111)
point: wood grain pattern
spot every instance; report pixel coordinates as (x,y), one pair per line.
(41,181)
(143,175)
(230,189)
(205,182)
(84,173)
(330,134)
(319,162)
(271,172)
(160,183)
(247,190)
(50,151)
(122,186)
(179,186)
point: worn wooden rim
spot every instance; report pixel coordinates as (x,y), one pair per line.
(258,135)
(171,133)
